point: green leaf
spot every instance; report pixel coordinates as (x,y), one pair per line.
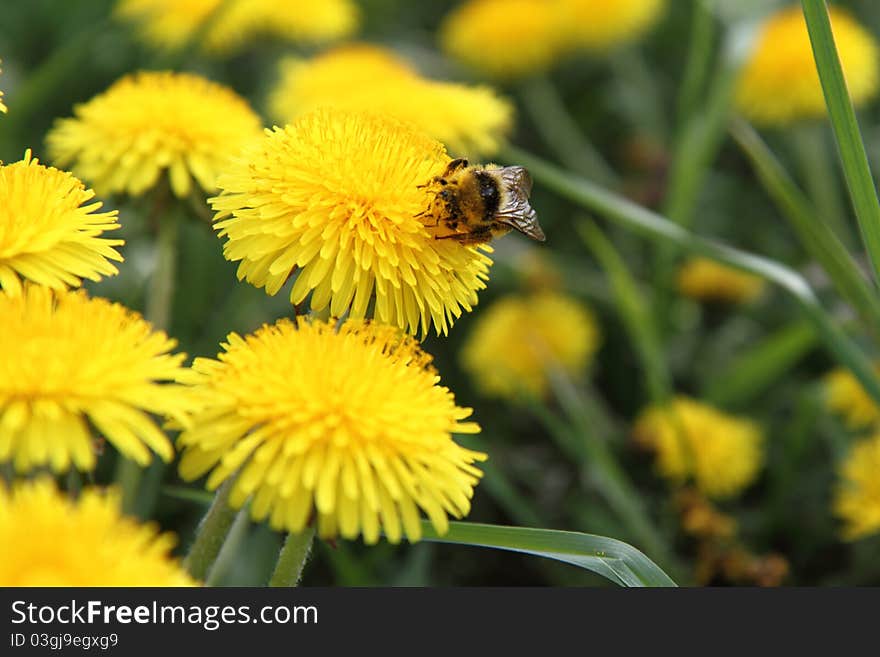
(814,234)
(618,561)
(626,213)
(846,129)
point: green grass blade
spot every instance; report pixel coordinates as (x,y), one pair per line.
(814,234)
(699,59)
(754,371)
(619,562)
(626,213)
(856,169)
(634,311)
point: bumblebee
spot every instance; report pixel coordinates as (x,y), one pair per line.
(476,203)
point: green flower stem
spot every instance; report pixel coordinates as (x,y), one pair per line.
(229,551)
(128,478)
(292,558)
(138,499)
(561,132)
(160,295)
(211,533)
(626,213)
(820,177)
(699,58)
(856,169)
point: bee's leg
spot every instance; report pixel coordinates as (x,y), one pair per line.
(433,181)
(476,237)
(429,213)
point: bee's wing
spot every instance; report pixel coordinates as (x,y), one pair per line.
(516,211)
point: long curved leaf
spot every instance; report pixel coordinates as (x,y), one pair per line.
(637,218)
(856,168)
(619,562)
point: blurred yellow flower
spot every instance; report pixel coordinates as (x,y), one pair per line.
(50,540)
(68,362)
(336,196)
(504,38)
(470,121)
(706,280)
(722,453)
(779,83)
(857,497)
(846,396)
(231,24)
(151,122)
(348,424)
(519,339)
(47,235)
(603,24)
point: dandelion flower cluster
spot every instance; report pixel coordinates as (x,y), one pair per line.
(468,120)
(68,361)
(151,122)
(779,83)
(47,234)
(723,454)
(519,339)
(503,38)
(857,498)
(602,24)
(230,24)
(707,280)
(50,540)
(846,396)
(336,195)
(347,425)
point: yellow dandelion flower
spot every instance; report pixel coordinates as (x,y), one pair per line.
(50,540)
(603,24)
(151,122)
(722,453)
(518,339)
(348,425)
(336,195)
(68,361)
(846,396)
(779,83)
(706,280)
(47,235)
(468,120)
(504,38)
(857,498)
(230,24)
